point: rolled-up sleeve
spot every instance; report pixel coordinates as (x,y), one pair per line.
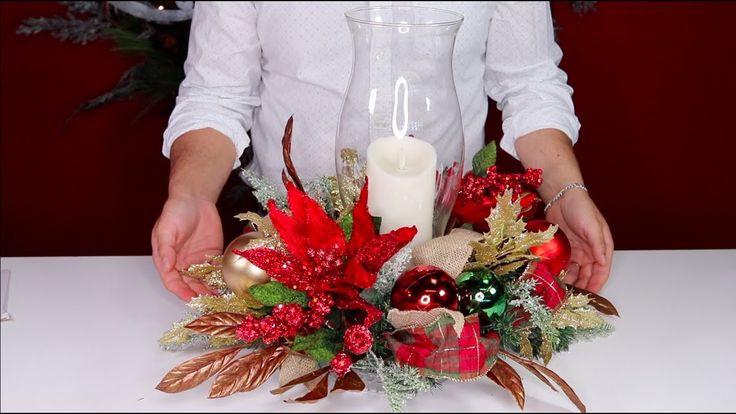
(223,73)
(522,73)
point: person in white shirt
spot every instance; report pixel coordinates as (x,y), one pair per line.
(251,65)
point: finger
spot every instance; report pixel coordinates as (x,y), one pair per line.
(597,243)
(599,276)
(173,281)
(572,274)
(586,270)
(163,259)
(602,271)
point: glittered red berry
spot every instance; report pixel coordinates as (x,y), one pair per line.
(424,288)
(548,287)
(341,363)
(556,252)
(358,339)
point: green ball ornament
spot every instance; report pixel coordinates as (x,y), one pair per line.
(481,292)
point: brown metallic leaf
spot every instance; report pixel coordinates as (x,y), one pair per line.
(348,382)
(317,393)
(566,388)
(191,373)
(507,378)
(286,147)
(602,304)
(222,324)
(248,373)
(301,380)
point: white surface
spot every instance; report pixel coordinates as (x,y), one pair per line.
(85,329)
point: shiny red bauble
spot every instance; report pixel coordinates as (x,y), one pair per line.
(476,212)
(424,288)
(556,252)
(548,287)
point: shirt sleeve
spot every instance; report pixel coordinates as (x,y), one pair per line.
(522,75)
(223,73)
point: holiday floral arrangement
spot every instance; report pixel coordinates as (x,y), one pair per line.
(315,292)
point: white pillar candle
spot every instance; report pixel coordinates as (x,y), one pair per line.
(401,184)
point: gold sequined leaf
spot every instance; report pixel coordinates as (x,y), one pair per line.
(191,373)
(602,304)
(248,372)
(262,223)
(221,324)
(576,300)
(579,318)
(545,350)
(243,303)
(525,346)
(507,378)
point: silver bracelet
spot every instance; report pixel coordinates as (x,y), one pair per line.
(562,192)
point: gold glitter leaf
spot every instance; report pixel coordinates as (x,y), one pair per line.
(231,302)
(507,240)
(262,223)
(222,324)
(219,342)
(545,350)
(209,272)
(507,378)
(578,318)
(191,373)
(525,345)
(599,302)
(248,373)
(178,335)
(577,300)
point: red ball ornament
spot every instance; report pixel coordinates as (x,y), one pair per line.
(548,287)
(556,252)
(424,288)
(474,212)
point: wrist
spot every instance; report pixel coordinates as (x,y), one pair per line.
(563,192)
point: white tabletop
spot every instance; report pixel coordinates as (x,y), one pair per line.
(84,332)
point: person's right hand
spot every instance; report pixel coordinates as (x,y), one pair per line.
(187,230)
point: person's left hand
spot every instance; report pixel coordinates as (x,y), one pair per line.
(590,238)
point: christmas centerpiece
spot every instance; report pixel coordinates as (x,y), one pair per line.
(317,293)
(399,272)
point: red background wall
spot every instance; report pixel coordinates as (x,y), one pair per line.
(654,89)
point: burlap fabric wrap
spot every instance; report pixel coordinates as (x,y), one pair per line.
(295,365)
(449,253)
(409,319)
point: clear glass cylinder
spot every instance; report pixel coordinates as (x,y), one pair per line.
(400,124)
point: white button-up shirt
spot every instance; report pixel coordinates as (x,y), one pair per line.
(251,65)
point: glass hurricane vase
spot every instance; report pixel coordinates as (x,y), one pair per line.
(400,125)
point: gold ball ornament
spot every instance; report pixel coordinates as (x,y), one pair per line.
(238,272)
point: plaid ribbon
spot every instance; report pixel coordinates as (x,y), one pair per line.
(437,351)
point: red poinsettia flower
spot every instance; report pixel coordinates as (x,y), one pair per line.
(318,256)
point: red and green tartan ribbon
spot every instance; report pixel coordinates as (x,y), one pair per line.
(437,351)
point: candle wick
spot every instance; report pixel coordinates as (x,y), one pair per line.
(402,160)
